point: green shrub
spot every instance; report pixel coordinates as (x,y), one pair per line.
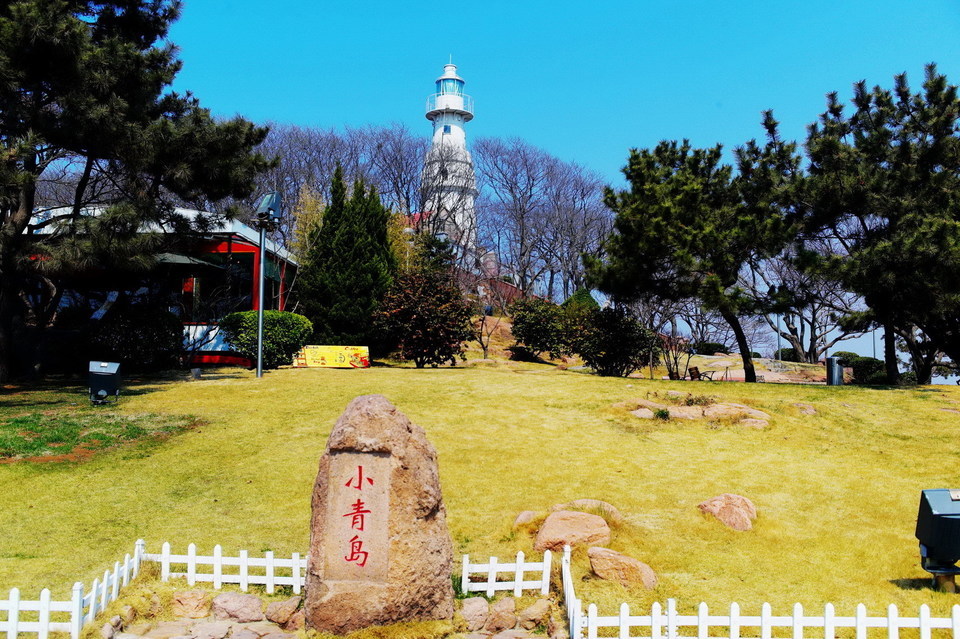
(612,343)
(541,326)
(709,348)
(141,337)
(867,370)
(755,355)
(662,413)
(581,300)
(283,335)
(786,355)
(845,357)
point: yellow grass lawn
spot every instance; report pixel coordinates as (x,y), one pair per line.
(837,492)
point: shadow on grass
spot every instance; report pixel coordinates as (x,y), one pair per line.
(916,583)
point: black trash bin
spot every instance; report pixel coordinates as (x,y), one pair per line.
(834,372)
(104,381)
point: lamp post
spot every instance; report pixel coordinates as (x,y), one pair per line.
(267,213)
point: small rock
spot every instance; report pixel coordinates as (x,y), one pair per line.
(238,607)
(107,631)
(168,630)
(475,611)
(156,606)
(594,506)
(950,410)
(525,517)
(566,527)
(126,635)
(477,635)
(260,627)
(296,622)
(280,611)
(210,630)
(734,511)
(805,409)
(128,614)
(243,633)
(512,634)
(502,616)
(754,423)
(614,566)
(674,393)
(138,628)
(642,413)
(733,411)
(535,614)
(278,635)
(116,621)
(192,604)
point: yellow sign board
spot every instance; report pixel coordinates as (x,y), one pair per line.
(332,357)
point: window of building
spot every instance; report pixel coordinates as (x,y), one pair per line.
(446,128)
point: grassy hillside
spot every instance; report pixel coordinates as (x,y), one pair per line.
(837,491)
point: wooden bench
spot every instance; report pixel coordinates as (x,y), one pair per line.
(696,375)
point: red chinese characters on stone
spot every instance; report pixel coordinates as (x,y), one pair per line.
(358,479)
(357,514)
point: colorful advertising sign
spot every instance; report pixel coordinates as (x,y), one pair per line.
(332,357)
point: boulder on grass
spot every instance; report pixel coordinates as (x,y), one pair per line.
(614,566)
(238,607)
(502,616)
(192,604)
(534,614)
(594,506)
(279,612)
(734,511)
(475,611)
(567,527)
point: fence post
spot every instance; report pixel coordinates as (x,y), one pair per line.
(92,610)
(13,615)
(765,613)
(829,624)
(270,567)
(103,591)
(592,621)
(492,577)
(623,622)
(924,621)
(44,617)
(656,621)
(703,629)
(192,564)
(861,621)
(139,549)
(464,575)
(672,618)
(76,610)
(115,584)
(545,580)
(295,573)
(244,571)
(518,575)
(127,565)
(217,567)
(165,562)
(797,621)
(955,621)
(734,620)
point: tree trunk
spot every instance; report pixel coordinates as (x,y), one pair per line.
(890,353)
(6,327)
(749,372)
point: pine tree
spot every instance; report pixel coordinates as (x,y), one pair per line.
(348,267)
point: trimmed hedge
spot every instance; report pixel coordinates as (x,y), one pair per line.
(284,334)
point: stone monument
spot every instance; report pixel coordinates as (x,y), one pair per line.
(380,551)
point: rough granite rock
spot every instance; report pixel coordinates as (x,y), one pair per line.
(525,517)
(278,635)
(279,612)
(192,604)
(805,409)
(244,633)
(567,527)
(734,511)
(107,630)
(614,566)
(239,607)
(733,411)
(260,627)
(475,611)
(593,506)
(396,564)
(296,622)
(512,634)
(759,424)
(168,629)
(502,616)
(534,614)
(211,630)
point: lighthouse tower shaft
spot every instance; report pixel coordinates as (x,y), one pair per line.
(449,180)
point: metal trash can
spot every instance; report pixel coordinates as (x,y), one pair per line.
(834,372)
(104,381)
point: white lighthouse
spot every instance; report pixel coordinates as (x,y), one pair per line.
(449,183)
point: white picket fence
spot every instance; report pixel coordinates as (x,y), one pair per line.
(46,615)
(265,570)
(668,624)
(518,568)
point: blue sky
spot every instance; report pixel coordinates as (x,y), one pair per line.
(585,81)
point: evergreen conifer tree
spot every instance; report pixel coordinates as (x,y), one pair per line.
(348,267)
